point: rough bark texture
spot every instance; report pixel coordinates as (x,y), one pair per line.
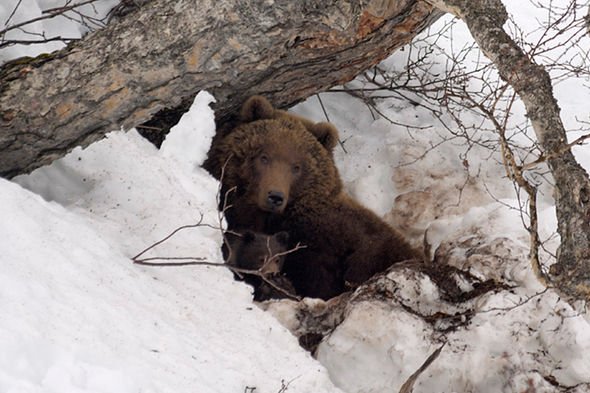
(167,51)
(485,18)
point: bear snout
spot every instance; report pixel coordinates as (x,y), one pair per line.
(270,266)
(275,200)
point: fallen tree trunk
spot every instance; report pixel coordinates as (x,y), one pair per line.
(167,51)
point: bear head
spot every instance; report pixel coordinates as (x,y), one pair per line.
(259,108)
(272,163)
(256,251)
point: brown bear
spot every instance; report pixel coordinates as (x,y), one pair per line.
(264,254)
(278,175)
(256,108)
(245,212)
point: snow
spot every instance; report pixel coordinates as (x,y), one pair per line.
(79,316)
(188,145)
(358,363)
(60,26)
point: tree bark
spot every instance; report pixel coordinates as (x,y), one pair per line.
(168,50)
(485,18)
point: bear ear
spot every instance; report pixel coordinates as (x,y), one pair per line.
(326,134)
(282,237)
(256,108)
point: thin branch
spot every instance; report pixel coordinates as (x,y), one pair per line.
(554,154)
(199,223)
(515,173)
(47,14)
(323,107)
(340,142)
(408,386)
(8,43)
(13,12)
(196,261)
(285,386)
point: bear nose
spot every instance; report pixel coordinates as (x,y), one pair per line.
(275,199)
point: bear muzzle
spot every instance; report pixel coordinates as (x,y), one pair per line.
(275,201)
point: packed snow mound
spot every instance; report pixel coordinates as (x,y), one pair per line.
(502,331)
(79,316)
(499,329)
(496,339)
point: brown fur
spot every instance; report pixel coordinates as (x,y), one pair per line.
(247,182)
(345,242)
(258,108)
(346,245)
(264,253)
(256,251)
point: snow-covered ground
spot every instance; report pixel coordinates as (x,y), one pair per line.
(78,316)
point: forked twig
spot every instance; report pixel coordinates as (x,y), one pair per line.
(197,261)
(199,223)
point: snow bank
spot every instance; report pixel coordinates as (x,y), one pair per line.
(78,316)
(518,337)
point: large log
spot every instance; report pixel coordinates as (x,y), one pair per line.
(164,53)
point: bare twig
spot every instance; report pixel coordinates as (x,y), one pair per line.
(545,157)
(47,14)
(225,206)
(516,174)
(13,12)
(7,43)
(68,10)
(340,142)
(160,261)
(197,261)
(199,223)
(408,386)
(285,385)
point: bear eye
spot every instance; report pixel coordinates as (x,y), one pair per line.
(296,169)
(264,159)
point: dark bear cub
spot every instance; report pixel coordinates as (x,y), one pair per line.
(263,253)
